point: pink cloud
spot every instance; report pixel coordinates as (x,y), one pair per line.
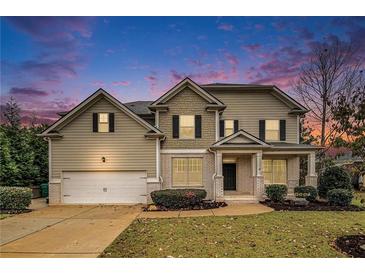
(232,59)
(121,83)
(153,82)
(225,27)
(98,83)
(28,92)
(251,47)
(201,77)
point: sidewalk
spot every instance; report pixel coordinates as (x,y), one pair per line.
(230,210)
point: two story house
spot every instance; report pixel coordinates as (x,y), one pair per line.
(229,139)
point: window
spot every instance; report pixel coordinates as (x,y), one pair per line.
(187,172)
(274,171)
(272,131)
(228,127)
(187,126)
(103,122)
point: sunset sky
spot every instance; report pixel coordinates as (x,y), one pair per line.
(50,64)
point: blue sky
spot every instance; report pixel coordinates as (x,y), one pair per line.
(50,64)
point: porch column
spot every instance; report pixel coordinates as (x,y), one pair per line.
(219,193)
(311,178)
(259,178)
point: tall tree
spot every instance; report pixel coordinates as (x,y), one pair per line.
(349,118)
(332,70)
(12,113)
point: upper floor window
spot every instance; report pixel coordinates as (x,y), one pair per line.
(103,125)
(103,122)
(228,127)
(187,126)
(272,130)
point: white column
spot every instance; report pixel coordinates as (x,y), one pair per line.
(311,178)
(259,179)
(312,164)
(219,190)
(219,163)
(259,163)
(216,125)
(253,165)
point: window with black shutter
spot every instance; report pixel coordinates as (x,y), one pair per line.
(198,126)
(282,130)
(111,122)
(175,126)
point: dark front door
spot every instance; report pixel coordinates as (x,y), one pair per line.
(229,173)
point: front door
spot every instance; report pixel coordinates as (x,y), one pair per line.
(229,173)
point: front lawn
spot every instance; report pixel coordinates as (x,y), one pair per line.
(358,197)
(276,234)
(4,215)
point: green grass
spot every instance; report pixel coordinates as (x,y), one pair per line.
(3,216)
(276,234)
(359,195)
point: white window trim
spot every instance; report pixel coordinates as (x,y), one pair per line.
(187,184)
(103,123)
(188,138)
(272,172)
(225,127)
(278,130)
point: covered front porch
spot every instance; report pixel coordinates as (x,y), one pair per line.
(243,169)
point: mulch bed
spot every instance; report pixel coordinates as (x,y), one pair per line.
(208,204)
(353,245)
(14,211)
(312,206)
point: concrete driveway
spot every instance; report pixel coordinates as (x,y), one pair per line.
(64,231)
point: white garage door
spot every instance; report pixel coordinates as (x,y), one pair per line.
(104,187)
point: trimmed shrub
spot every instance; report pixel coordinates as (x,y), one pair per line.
(307,192)
(276,192)
(178,198)
(340,197)
(17,198)
(333,178)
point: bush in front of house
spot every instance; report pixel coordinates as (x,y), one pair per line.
(276,192)
(307,192)
(333,177)
(15,198)
(178,198)
(340,197)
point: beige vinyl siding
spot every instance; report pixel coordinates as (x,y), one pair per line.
(125,149)
(187,102)
(250,107)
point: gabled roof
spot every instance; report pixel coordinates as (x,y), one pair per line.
(84,104)
(241,137)
(277,92)
(140,107)
(187,82)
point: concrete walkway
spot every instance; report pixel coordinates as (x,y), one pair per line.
(64,231)
(230,210)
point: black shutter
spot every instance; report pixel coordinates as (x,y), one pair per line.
(262,130)
(221,128)
(235,126)
(198,126)
(282,130)
(111,122)
(175,126)
(95,122)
